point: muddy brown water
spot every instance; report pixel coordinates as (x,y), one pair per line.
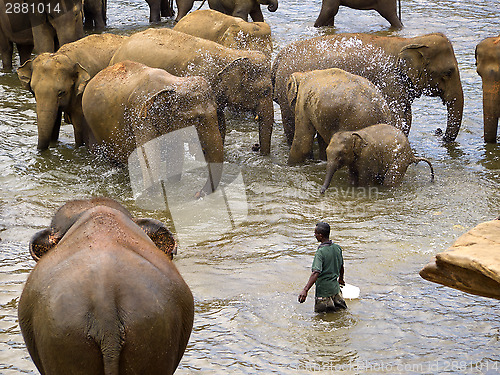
(246,280)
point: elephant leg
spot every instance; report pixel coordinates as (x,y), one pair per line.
(256,13)
(7,49)
(390,14)
(43,36)
(68,27)
(154,11)
(394,175)
(303,139)
(329,9)
(166,8)
(288,121)
(55,131)
(221,119)
(243,12)
(183,8)
(24,52)
(322,145)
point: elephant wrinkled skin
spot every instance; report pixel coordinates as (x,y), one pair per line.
(232,32)
(376,154)
(488,67)
(239,79)
(128,104)
(402,68)
(103,298)
(331,100)
(58,80)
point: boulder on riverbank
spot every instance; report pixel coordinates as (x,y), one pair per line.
(471,264)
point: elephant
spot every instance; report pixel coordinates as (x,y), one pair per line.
(331,100)
(160,8)
(104,296)
(386,8)
(15,27)
(236,8)
(488,68)
(239,79)
(402,68)
(378,154)
(55,23)
(57,80)
(94,14)
(227,30)
(129,104)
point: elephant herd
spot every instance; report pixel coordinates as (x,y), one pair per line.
(351,92)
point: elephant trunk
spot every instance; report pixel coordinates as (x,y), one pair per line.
(272,5)
(417,160)
(331,168)
(49,123)
(491,110)
(265,114)
(455,107)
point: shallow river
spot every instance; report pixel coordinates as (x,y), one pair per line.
(246,281)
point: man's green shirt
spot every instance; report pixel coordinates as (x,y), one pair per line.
(328,262)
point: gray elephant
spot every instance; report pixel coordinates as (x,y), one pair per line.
(55,23)
(236,8)
(57,80)
(239,79)
(378,154)
(386,8)
(488,68)
(104,297)
(94,14)
(328,101)
(15,28)
(402,68)
(227,30)
(129,104)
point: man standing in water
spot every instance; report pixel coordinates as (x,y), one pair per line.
(327,273)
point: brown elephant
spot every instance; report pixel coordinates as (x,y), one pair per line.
(104,297)
(239,79)
(386,8)
(58,80)
(129,104)
(227,30)
(488,67)
(236,8)
(378,154)
(331,100)
(402,68)
(15,28)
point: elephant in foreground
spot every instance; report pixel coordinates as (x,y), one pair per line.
(488,67)
(402,68)
(378,154)
(239,79)
(104,297)
(129,104)
(386,8)
(15,28)
(58,80)
(328,101)
(227,30)
(236,8)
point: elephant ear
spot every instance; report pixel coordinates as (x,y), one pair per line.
(41,243)
(163,99)
(24,73)
(159,234)
(81,80)
(292,90)
(358,143)
(413,62)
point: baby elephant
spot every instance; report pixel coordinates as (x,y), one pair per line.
(377,154)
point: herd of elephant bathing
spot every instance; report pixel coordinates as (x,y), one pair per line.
(351,92)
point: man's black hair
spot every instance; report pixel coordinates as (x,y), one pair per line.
(323,229)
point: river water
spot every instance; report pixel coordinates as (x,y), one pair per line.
(245,281)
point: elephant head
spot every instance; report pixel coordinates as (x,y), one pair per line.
(45,240)
(272,5)
(56,82)
(342,150)
(254,36)
(429,66)
(245,84)
(488,68)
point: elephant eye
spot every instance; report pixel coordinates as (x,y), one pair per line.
(61,93)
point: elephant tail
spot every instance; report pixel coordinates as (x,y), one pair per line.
(203,2)
(417,160)
(399,14)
